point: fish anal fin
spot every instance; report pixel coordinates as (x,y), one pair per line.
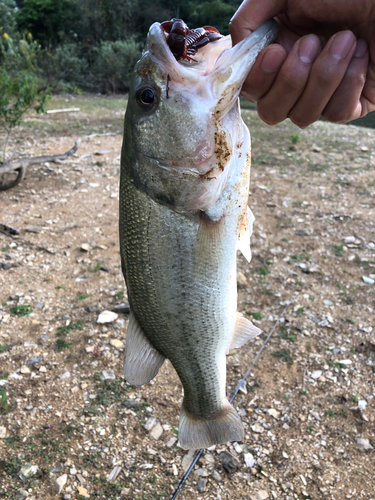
(245,232)
(243,332)
(142,361)
(196,433)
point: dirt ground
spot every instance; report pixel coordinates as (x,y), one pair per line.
(309,407)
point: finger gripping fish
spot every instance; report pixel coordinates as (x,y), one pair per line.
(185,171)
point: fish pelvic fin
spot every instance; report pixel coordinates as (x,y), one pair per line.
(243,332)
(246,230)
(195,432)
(142,361)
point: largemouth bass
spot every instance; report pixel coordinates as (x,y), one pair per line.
(185,171)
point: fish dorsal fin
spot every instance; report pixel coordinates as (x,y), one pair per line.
(142,360)
(243,332)
(246,230)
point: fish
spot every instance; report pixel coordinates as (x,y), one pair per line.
(184,186)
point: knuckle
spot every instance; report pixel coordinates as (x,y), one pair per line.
(268,116)
(336,116)
(300,121)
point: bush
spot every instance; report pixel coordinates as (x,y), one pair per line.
(8,12)
(61,66)
(114,64)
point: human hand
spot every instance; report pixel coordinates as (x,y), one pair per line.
(317,66)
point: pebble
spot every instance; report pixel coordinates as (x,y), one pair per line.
(364,444)
(61,482)
(32,229)
(187,459)
(116,343)
(367,280)
(92,309)
(107,375)
(107,317)
(249,460)
(257,428)
(85,247)
(24,370)
(82,491)
(65,376)
(201,486)
(150,423)
(157,431)
(3,432)
(229,462)
(33,361)
(123,308)
(349,239)
(43,369)
(201,472)
(114,473)
(28,470)
(362,404)
(171,442)
(274,413)
(22,494)
(260,495)
(316,374)
(73,471)
(216,476)
(67,496)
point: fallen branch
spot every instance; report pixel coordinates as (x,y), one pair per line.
(20,166)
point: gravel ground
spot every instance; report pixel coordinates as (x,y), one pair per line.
(71,428)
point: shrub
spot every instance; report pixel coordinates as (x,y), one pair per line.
(114,64)
(8,12)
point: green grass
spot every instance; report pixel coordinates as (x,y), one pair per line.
(3,348)
(96,268)
(82,297)
(119,295)
(300,311)
(256,315)
(338,249)
(284,354)
(333,413)
(301,258)
(20,311)
(65,329)
(287,336)
(62,344)
(5,249)
(4,402)
(264,271)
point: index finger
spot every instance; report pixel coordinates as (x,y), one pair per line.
(251,14)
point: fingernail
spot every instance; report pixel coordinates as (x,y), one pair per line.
(308,49)
(361,48)
(271,62)
(342,44)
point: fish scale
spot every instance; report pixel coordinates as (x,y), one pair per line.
(185,171)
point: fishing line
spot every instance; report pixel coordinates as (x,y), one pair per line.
(239,385)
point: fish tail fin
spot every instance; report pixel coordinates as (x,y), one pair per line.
(195,432)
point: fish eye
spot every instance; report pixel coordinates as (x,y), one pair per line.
(147,98)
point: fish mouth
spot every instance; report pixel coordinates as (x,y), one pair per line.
(192,167)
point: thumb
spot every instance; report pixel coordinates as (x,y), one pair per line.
(251,14)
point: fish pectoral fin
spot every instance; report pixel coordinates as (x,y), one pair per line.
(245,232)
(142,361)
(208,244)
(243,332)
(196,433)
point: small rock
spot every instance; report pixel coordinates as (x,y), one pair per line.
(260,495)
(92,309)
(367,280)
(216,476)
(125,492)
(105,269)
(349,239)
(43,369)
(27,471)
(73,471)
(67,496)
(107,375)
(32,229)
(274,413)
(3,432)
(116,343)
(157,431)
(201,472)
(150,423)
(229,462)
(22,494)
(249,460)
(237,447)
(29,407)
(82,491)
(171,442)
(61,482)
(114,473)
(257,428)
(24,370)
(241,279)
(364,444)
(107,317)
(65,376)
(33,361)
(362,404)
(85,247)
(201,485)
(328,302)
(123,308)
(316,374)
(104,152)
(187,459)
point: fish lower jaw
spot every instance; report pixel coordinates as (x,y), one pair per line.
(195,166)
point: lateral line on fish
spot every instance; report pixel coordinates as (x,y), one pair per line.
(238,386)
